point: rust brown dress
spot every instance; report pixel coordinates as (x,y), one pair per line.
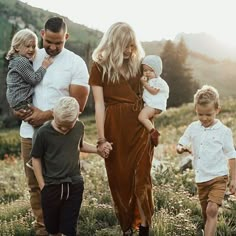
(129,164)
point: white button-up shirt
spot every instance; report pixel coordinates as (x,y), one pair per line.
(211,148)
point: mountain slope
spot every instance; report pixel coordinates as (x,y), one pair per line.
(15,15)
(207,45)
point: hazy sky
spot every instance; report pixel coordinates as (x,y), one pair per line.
(152,19)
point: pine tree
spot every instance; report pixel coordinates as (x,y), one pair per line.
(178,74)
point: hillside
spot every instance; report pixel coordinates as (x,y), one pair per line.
(177,208)
(206,44)
(15,14)
(205,69)
(221,74)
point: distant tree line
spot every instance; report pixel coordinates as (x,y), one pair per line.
(178,74)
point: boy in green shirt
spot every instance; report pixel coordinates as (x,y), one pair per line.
(55,159)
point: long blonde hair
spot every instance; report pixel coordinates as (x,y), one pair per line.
(109,52)
(21,38)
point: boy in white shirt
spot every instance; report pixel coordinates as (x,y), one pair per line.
(214,155)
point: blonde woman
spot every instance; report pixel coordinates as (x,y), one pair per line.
(115,81)
(21,77)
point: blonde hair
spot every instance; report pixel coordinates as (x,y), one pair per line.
(66,109)
(21,38)
(207,94)
(109,52)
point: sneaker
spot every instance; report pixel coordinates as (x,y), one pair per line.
(143,231)
(154,137)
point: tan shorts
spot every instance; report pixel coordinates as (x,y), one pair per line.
(213,190)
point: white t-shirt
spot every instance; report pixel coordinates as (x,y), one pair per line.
(211,149)
(159,100)
(67,68)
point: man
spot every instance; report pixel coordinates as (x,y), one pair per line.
(67,77)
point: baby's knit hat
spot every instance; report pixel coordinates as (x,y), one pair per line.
(154,62)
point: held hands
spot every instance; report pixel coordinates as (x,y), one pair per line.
(104,148)
(181,149)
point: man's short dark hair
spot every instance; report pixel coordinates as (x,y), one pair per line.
(55,24)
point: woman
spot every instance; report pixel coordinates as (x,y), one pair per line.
(115,80)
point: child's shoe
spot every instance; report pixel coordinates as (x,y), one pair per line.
(154,137)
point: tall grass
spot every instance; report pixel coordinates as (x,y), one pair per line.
(177,210)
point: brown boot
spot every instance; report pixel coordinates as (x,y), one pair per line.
(143,231)
(154,137)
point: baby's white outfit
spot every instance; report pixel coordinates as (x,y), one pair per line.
(159,100)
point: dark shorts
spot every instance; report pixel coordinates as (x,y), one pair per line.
(61,205)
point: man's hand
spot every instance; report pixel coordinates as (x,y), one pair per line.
(22,113)
(38,117)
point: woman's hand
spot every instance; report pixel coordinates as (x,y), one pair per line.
(104,149)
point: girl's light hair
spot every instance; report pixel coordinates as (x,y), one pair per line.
(109,52)
(21,38)
(66,109)
(207,94)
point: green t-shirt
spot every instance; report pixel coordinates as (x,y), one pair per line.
(59,153)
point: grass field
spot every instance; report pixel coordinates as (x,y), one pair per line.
(177,211)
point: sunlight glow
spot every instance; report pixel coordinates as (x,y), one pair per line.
(152,19)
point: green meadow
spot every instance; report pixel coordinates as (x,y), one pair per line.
(177,211)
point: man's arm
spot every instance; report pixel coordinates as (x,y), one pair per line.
(80,93)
